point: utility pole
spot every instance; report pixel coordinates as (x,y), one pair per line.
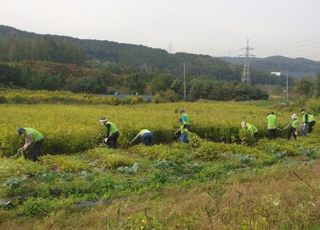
(246,78)
(184,82)
(170,48)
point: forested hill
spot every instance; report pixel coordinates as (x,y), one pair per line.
(297,67)
(17,45)
(30,46)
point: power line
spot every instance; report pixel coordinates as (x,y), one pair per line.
(296,46)
(295,40)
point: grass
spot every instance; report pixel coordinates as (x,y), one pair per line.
(75,128)
(200,185)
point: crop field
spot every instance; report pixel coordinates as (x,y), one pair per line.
(74,128)
(213,182)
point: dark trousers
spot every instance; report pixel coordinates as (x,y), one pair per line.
(146,139)
(34,152)
(292,131)
(184,138)
(112,140)
(311,124)
(272,133)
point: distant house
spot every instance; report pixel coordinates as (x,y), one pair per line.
(278,74)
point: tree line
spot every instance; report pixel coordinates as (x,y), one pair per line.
(114,79)
(307,87)
(43,48)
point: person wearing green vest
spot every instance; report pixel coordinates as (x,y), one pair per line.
(34,139)
(272,123)
(145,136)
(305,122)
(292,126)
(253,130)
(184,120)
(312,122)
(309,119)
(112,133)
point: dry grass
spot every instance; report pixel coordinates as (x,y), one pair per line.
(253,200)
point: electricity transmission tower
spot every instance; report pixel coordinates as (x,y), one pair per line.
(245,78)
(170,48)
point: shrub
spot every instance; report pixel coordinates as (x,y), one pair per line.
(3,99)
(17,167)
(63,163)
(109,158)
(207,151)
(37,206)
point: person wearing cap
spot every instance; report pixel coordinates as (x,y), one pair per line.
(112,132)
(145,136)
(184,120)
(272,123)
(34,140)
(292,126)
(246,125)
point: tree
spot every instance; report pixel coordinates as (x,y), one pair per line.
(161,83)
(88,85)
(136,84)
(36,81)
(318,86)
(303,87)
(10,76)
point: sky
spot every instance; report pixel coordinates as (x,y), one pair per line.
(215,27)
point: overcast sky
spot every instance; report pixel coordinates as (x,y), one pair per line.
(214,27)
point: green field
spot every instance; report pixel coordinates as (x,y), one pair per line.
(74,128)
(214,182)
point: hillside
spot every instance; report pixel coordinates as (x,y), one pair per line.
(17,45)
(297,67)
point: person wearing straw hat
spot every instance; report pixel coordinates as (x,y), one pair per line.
(292,126)
(112,133)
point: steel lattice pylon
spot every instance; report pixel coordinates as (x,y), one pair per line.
(246,78)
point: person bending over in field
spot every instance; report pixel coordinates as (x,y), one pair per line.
(112,133)
(184,120)
(34,140)
(145,136)
(253,130)
(292,126)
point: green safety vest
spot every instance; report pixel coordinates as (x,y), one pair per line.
(182,129)
(144,131)
(311,117)
(185,119)
(304,118)
(272,121)
(36,135)
(252,128)
(294,123)
(113,128)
